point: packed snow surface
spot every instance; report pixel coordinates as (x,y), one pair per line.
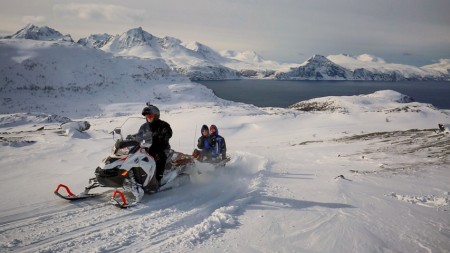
(372,177)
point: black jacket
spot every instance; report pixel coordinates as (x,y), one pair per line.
(161,133)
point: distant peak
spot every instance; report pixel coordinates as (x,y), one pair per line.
(138,33)
(136,30)
(318,57)
(95,40)
(134,37)
(33,32)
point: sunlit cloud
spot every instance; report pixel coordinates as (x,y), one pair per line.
(106,12)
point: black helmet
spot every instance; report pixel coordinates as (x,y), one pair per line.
(151,109)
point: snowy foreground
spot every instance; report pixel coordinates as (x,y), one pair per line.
(359,174)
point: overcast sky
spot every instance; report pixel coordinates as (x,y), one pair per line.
(415,32)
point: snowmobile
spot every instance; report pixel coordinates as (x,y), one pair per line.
(131,168)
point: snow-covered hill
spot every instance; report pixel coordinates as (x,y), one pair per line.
(376,102)
(200,62)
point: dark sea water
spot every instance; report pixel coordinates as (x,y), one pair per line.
(274,93)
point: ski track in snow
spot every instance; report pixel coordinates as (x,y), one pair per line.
(174,220)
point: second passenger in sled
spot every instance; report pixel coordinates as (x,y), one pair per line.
(212,147)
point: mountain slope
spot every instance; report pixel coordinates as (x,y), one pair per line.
(34,71)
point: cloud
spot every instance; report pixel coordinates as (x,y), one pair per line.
(108,12)
(33,19)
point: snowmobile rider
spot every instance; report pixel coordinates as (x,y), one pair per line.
(204,144)
(218,145)
(157,133)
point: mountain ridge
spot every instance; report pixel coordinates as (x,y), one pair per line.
(200,62)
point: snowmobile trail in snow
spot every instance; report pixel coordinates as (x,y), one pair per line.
(172,220)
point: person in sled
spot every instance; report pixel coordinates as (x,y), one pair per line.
(204,145)
(218,145)
(156,133)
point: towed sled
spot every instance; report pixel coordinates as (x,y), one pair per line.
(130,169)
(218,160)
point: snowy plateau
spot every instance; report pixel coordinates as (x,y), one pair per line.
(366,173)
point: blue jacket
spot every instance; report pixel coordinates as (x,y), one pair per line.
(218,145)
(204,143)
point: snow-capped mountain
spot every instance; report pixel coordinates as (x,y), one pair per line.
(95,40)
(374,68)
(317,67)
(362,67)
(33,32)
(253,65)
(246,56)
(194,60)
(204,51)
(200,62)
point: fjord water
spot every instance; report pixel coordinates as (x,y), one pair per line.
(274,93)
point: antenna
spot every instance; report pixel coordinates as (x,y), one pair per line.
(195,134)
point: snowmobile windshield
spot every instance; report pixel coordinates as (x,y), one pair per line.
(128,129)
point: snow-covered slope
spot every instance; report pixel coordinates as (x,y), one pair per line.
(34,71)
(378,101)
(442,66)
(371,179)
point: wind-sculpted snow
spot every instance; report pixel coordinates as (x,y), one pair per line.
(442,202)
